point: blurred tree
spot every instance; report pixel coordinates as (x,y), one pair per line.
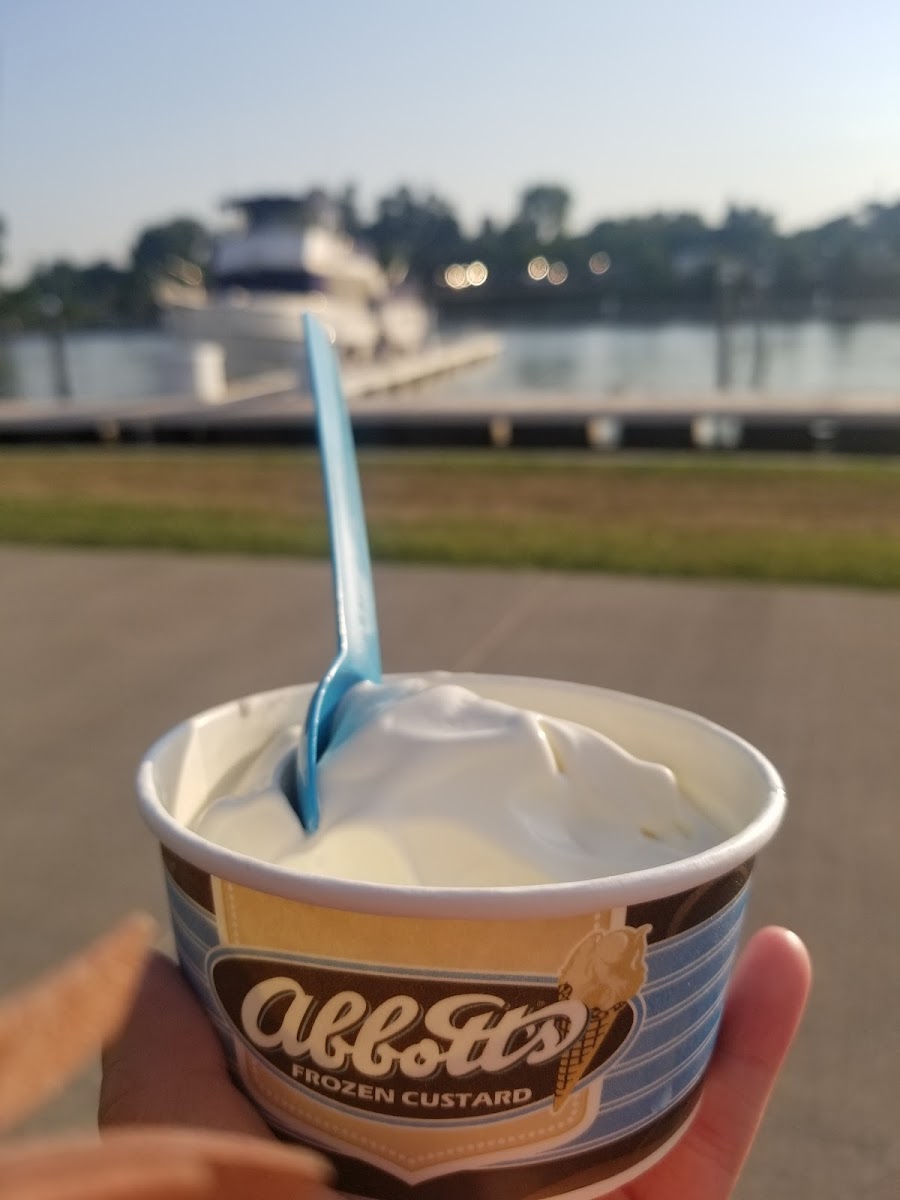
(348,207)
(879,258)
(60,281)
(544,208)
(658,262)
(156,250)
(183,238)
(419,231)
(747,240)
(319,207)
(882,223)
(90,295)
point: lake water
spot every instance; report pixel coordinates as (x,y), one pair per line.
(803,358)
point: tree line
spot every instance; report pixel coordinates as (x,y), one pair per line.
(658,263)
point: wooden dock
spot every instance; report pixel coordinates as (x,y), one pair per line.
(390,405)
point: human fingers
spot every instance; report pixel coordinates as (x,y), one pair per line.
(246,1167)
(763,1009)
(161,1164)
(49,1028)
(166,1066)
(85,1170)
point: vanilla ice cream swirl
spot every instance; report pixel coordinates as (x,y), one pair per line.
(427,783)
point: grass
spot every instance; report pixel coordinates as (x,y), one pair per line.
(800,520)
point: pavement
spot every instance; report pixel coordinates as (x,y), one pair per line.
(99,653)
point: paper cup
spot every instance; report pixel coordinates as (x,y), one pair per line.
(540,1041)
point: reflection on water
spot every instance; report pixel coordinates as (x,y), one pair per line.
(547,371)
(99,366)
(810,357)
(8,383)
(790,359)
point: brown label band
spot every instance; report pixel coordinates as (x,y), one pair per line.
(677,914)
(536,1181)
(193,882)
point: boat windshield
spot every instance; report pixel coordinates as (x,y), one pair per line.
(269,280)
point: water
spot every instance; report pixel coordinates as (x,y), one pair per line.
(804,358)
(807,358)
(101,366)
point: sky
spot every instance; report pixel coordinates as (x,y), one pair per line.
(115,114)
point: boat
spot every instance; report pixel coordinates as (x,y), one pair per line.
(286,258)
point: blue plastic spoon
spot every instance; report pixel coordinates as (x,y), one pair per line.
(359,653)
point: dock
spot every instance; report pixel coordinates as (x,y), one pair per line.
(408,402)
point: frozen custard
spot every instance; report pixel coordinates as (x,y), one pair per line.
(427,783)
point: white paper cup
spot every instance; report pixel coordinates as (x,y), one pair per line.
(502,1043)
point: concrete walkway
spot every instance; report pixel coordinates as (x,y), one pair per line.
(101,652)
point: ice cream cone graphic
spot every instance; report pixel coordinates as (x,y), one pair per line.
(604,971)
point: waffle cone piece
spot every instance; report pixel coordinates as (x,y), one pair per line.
(604,971)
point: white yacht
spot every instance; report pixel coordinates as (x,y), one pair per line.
(279,264)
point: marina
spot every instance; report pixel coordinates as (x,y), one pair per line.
(271,414)
(595,385)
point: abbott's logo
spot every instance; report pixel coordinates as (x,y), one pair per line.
(472,1031)
(412,1045)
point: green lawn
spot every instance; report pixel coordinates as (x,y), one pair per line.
(798,519)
